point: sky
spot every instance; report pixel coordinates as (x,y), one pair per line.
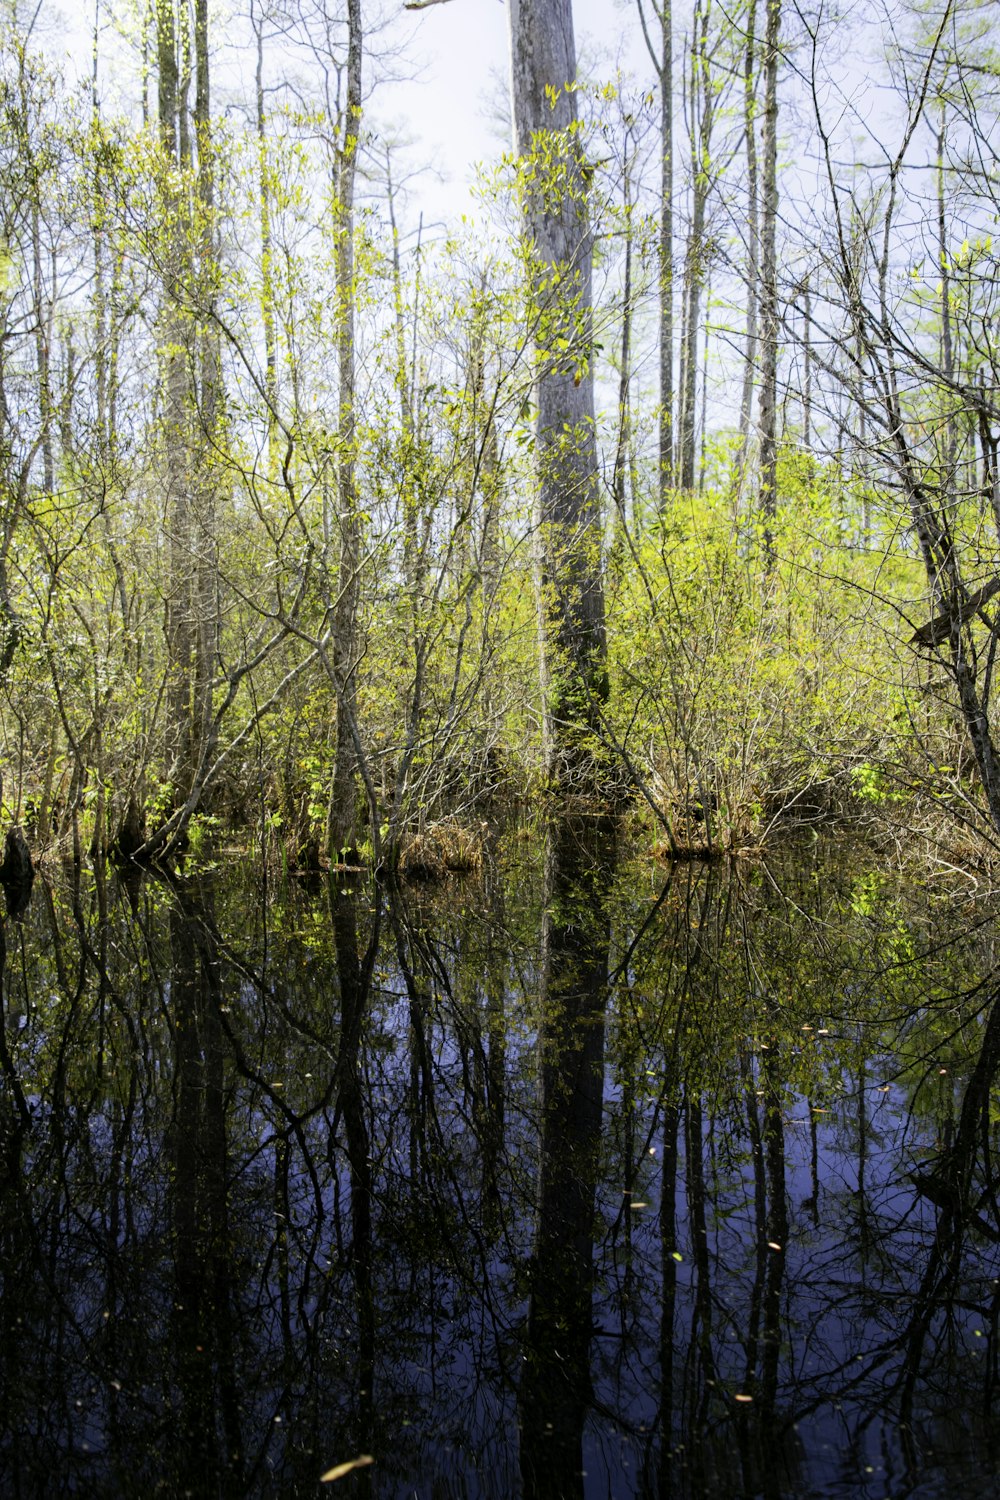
(450,81)
(449,107)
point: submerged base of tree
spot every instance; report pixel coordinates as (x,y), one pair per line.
(17,873)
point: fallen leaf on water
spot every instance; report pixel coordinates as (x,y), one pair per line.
(339,1470)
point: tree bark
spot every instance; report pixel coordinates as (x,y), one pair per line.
(625,372)
(343,830)
(666,252)
(753,238)
(768,415)
(266,250)
(191,380)
(702,120)
(210,402)
(177,405)
(557,231)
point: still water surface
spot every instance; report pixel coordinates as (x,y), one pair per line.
(579,1178)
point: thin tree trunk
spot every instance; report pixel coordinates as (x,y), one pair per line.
(807,382)
(148,22)
(625,372)
(947,334)
(769,289)
(488,482)
(753,238)
(411,538)
(662,60)
(266,249)
(177,402)
(342,833)
(702,119)
(666,252)
(41,308)
(205,536)
(703,417)
(100,286)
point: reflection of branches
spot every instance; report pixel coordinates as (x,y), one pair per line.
(443,1191)
(950,1187)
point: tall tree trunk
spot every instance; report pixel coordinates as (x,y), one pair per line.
(769,289)
(947,332)
(662,60)
(625,372)
(210,404)
(574,674)
(177,406)
(486,501)
(703,419)
(343,829)
(807,382)
(100,284)
(266,250)
(753,237)
(666,252)
(191,379)
(702,120)
(404,385)
(41,310)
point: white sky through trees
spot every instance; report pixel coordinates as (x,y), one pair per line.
(449,67)
(464,46)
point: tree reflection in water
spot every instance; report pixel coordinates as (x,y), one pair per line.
(555,1388)
(577,1180)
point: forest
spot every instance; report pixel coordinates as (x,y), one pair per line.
(498,968)
(665,477)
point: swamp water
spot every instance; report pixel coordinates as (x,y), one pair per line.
(579,1178)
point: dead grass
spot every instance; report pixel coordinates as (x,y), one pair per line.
(442,849)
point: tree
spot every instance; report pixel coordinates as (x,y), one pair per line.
(190,383)
(702,108)
(663,64)
(768,418)
(344,820)
(752,229)
(916,354)
(554,177)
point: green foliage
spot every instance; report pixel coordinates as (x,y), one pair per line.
(734,695)
(744,693)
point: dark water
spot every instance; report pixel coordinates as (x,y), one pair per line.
(579,1179)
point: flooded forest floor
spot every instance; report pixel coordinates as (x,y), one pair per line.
(580,1176)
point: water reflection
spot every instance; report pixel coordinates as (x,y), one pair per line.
(555,1387)
(586,1179)
(207,1431)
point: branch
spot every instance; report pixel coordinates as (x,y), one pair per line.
(940,628)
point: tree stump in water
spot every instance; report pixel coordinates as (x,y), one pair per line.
(17,873)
